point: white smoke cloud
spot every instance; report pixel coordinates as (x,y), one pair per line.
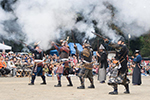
(3,17)
(44,20)
(132,16)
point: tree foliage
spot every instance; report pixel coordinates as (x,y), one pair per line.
(145,45)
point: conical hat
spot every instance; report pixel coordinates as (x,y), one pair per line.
(101,47)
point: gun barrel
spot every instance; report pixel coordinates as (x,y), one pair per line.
(98,35)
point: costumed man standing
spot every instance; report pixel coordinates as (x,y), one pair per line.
(136,76)
(103,64)
(64,54)
(86,69)
(121,57)
(38,63)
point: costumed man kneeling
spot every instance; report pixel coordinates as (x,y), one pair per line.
(38,64)
(119,73)
(86,69)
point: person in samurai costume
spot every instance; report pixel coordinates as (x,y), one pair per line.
(103,64)
(136,76)
(119,74)
(64,54)
(38,63)
(86,69)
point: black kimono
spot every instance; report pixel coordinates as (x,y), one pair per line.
(103,65)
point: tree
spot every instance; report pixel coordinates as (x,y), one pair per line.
(145,47)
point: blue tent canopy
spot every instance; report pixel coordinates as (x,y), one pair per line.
(72,50)
(52,52)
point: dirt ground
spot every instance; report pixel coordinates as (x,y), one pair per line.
(18,89)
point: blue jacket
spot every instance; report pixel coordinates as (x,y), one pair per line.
(138,59)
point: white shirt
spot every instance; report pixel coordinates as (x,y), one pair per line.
(11,64)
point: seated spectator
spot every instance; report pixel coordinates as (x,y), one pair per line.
(51,71)
(72,70)
(23,63)
(147,69)
(77,68)
(12,67)
(4,54)
(75,60)
(94,70)
(45,70)
(3,67)
(18,63)
(143,73)
(130,70)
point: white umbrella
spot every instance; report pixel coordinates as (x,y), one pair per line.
(4,47)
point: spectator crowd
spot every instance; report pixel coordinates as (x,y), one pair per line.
(21,64)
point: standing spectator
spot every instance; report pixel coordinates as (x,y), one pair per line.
(136,77)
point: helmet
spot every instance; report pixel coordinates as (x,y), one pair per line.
(122,39)
(86,41)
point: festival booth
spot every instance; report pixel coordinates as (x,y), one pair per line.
(4,47)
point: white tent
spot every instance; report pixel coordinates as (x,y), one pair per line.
(4,47)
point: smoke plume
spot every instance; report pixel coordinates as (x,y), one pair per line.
(45,20)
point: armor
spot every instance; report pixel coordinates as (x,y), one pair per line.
(38,66)
(86,55)
(37,52)
(63,51)
(86,70)
(119,72)
(64,54)
(39,55)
